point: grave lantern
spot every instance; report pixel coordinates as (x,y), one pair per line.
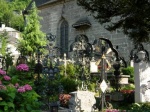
(141,55)
(93,66)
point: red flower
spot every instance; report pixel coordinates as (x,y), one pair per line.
(127,91)
(64,99)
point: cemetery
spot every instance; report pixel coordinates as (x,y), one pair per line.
(80,84)
(42,72)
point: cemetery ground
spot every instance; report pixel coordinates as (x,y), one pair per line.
(22,91)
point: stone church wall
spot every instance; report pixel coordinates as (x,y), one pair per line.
(54,13)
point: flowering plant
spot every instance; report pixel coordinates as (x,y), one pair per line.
(22,67)
(128,96)
(114,110)
(21,74)
(127,91)
(4,77)
(24,88)
(2,72)
(64,99)
(17,97)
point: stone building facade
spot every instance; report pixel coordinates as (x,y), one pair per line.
(65,19)
(13,35)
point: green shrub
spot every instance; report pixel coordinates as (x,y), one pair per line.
(128,87)
(70,70)
(128,71)
(140,107)
(69,85)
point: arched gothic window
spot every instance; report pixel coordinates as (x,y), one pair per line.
(64,38)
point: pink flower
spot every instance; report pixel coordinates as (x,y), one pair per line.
(7,78)
(115,110)
(112,110)
(27,87)
(21,89)
(22,67)
(16,85)
(2,72)
(2,87)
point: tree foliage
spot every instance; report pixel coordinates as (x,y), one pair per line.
(4,41)
(11,13)
(5,12)
(132,16)
(32,37)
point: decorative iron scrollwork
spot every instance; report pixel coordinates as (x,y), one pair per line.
(134,54)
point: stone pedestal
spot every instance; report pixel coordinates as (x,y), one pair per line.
(141,79)
(82,101)
(123,79)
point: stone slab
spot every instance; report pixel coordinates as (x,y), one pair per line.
(82,101)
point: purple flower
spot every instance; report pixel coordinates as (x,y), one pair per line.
(21,89)
(27,87)
(7,78)
(22,67)
(2,72)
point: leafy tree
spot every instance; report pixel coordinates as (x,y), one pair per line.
(19,5)
(17,20)
(32,37)
(11,13)
(132,16)
(6,12)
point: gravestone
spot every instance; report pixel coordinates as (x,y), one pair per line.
(82,101)
(142,79)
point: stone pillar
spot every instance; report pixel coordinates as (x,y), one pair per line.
(141,79)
